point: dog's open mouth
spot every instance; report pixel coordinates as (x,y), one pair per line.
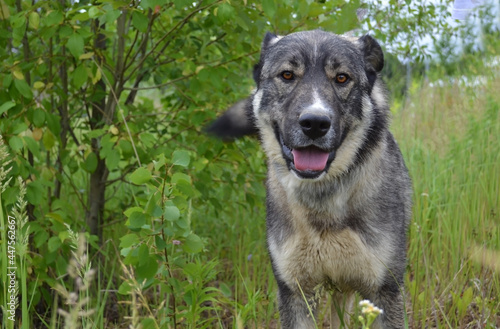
(308,162)
(310,158)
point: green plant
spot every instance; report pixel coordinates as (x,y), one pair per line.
(447,139)
(369,313)
(161,248)
(81,272)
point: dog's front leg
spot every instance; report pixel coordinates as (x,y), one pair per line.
(390,299)
(296,312)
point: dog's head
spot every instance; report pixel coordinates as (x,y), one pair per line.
(313,90)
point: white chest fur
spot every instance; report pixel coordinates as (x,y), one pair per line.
(309,258)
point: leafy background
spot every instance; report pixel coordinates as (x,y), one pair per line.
(102,109)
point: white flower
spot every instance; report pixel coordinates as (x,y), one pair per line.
(369,308)
(365,302)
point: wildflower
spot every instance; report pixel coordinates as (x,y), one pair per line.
(365,303)
(370,311)
(176,242)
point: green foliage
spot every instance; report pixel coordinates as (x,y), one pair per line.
(102,105)
(404,26)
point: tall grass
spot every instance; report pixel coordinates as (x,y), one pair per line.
(450,140)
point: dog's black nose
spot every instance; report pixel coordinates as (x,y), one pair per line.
(314,125)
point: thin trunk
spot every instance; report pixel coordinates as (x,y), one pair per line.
(99,177)
(63,113)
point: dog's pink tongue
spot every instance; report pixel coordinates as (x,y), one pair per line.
(310,158)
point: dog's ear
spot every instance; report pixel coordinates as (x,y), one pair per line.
(269,40)
(372,52)
(236,122)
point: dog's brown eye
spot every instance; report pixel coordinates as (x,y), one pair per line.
(341,78)
(287,75)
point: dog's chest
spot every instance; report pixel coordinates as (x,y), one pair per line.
(310,257)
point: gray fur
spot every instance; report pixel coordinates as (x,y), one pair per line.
(343,225)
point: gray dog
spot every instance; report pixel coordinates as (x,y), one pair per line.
(338,191)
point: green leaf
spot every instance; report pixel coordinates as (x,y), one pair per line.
(75,45)
(150,4)
(53,123)
(180,158)
(112,159)
(38,117)
(19,128)
(186,188)
(90,163)
(34,20)
(160,243)
(140,176)
(193,244)
(148,269)
(269,7)
(80,17)
(48,139)
(128,240)
(148,139)
(54,243)
(182,223)
(143,254)
(124,288)
(23,88)
(6,106)
(192,269)
(137,220)
(16,143)
(53,18)
(180,4)
(33,146)
(4,11)
(55,216)
(148,323)
(140,21)
(110,15)
(94,12)
(79,76)
(225,12)
(40,238)
(178,177)
(131,210)
(171,213)
(88,55)
(96,133)
(224,288)
(34,192)
(160,162)
(38,85)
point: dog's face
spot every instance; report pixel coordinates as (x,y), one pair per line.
(313,91)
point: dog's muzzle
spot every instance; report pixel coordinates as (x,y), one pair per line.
(307,162)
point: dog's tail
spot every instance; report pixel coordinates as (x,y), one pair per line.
(236,122)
